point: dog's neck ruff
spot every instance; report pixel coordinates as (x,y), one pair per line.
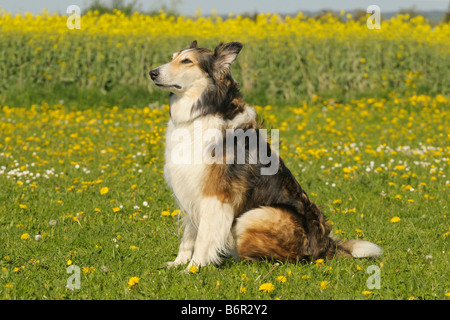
(182,111)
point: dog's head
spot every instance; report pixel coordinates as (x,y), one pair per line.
(195,67)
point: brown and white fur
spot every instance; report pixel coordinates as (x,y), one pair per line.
(232,209)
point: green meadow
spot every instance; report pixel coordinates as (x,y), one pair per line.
(84,209)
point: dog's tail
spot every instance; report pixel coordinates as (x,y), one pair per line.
(358,249)
(280,234)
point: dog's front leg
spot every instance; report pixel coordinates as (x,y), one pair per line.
(214,233)
(187,244)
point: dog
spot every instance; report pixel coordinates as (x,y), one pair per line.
(232,209)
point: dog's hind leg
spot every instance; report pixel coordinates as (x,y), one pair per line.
(214,237)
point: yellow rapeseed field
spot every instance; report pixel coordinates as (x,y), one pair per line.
(318,56)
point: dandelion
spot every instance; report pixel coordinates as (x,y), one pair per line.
(69,262)
(193,269)
(338,201)
(281,279)
(243,290)
(165,213)
(319,262)
(38,237)
(323,285)
(395,219)
(22,206)
(266,287)
(133,282)
(366,293)
(116,209)
(104,190)
(25,236)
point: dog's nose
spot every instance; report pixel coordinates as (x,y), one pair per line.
(154,74)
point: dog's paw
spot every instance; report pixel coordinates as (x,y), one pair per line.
(176,263)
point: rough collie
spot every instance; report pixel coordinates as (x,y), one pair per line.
(230,206)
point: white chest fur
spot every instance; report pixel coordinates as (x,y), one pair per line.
(187,143)
(185,168)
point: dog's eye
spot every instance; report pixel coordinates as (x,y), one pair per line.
(186,61)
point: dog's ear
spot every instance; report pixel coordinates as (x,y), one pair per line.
(224,55)
(193,45)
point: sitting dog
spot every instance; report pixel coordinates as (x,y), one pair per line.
(234,207)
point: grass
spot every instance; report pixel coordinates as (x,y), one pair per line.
(97,172)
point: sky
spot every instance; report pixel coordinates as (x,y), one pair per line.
(189,7)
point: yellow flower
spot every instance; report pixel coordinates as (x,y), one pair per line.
(366,293)
(266,287)
(319,262)
(281,279)
(395,219)
(243,290)
(398,197)
(165,213)
(22,206)
(193,269)
(175,212)
(116,209)
(69,262)
(8,286)
(447,294)
(25,236)
(305,276)
(323,285)
(132,282)
(104,190)
(338,201)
